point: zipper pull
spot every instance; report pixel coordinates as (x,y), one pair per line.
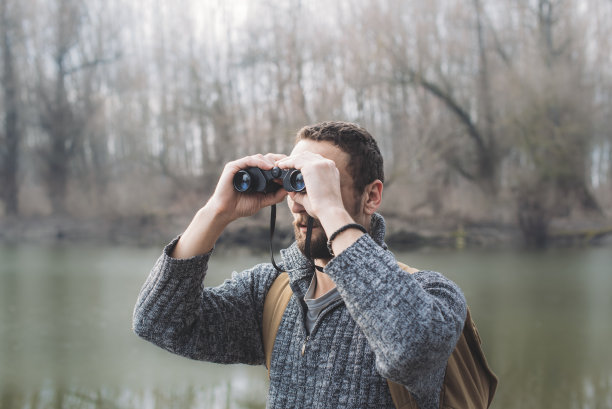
(304,345)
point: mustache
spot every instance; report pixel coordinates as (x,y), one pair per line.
(303,222)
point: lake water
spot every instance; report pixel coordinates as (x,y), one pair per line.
(66,339)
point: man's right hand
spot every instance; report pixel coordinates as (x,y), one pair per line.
(225,206)
(230,204)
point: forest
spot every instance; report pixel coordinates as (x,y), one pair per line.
(488,113)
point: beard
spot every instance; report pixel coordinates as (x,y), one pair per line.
(318,240)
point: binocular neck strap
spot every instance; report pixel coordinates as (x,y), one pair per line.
(272,225)
(309,225)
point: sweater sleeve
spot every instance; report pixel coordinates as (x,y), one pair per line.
(220,324)
(412,321)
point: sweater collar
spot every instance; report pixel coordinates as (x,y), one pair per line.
(301,270)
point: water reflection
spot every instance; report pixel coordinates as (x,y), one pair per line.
(190,397)
(65,337)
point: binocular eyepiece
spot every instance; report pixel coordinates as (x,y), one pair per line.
(259,180)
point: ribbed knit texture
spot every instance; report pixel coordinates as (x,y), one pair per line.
(388,324)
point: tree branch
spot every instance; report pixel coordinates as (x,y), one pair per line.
(92,63)
(454,106)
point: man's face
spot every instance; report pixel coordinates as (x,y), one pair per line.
(318,244)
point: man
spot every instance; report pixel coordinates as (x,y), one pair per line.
(348,327)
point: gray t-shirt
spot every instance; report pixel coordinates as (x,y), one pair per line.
(317,305)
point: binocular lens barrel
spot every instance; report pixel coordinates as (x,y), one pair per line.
(296,181)
(242,181)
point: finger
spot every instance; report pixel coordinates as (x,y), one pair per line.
(298,161)
(255,161)
(274,157)
(290,162)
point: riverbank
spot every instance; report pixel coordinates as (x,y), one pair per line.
(253,233)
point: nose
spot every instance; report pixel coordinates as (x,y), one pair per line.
(295,207)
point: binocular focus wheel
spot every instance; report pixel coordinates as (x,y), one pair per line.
(276,172)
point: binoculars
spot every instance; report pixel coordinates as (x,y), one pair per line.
(259,180)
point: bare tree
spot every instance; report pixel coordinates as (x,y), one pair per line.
(12,134)
(65,104)
(554,124)
(419,56)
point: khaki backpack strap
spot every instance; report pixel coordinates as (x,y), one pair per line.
(407,268)
(469,381)
(402,399)
(274,307)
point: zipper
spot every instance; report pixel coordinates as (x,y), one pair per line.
(304,345)
(317,322)
(319,319)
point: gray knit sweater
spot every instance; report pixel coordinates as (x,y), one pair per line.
(388,324)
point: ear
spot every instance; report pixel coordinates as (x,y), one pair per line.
(372,197)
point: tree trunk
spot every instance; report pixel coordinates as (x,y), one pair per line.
(9,152)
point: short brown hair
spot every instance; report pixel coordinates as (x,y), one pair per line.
(366,162)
